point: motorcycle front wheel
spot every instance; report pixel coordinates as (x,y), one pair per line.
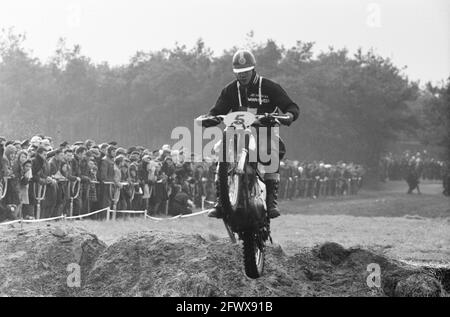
(253,254)
(230,186)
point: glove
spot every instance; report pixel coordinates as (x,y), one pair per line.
(210,122)
(267,121)
(287,122)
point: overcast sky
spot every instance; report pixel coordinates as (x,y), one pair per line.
(415,33)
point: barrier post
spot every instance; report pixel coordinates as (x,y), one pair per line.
(40,195)
(115,200)
(21,216)
(112,199)
(71,207)
(4,188)
(114,211)
(73,195)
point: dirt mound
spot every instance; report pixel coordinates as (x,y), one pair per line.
(332,252)
(418,285)
(175,264)
(357,268)
(34,262)
(155,263)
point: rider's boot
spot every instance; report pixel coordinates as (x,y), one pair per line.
(217,209)
(271,200)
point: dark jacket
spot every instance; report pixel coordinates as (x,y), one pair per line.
(272,96)
(40,169)
(106,170)
(75,167)
(55,165)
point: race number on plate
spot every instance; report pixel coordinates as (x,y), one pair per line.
(239,118)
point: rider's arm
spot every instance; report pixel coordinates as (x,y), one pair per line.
(283,101)
(223,104)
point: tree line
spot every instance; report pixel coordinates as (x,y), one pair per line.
(351,104)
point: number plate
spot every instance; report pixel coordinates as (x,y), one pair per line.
(239,118)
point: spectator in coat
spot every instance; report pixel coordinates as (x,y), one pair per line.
(26,209)
(41,176)
(9,161)
(412,177)
(63,197)
(92,194)
(106,175)
(22,176)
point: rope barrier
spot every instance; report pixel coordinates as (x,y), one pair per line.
(196,213)
(9,222)
(108,210)
(42,220)
(53,218)
(129,211)
(154,218)
(87,215)
(179,216)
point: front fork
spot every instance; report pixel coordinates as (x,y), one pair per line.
(241,163)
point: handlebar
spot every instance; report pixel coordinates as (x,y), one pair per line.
(258,116)
(276,117)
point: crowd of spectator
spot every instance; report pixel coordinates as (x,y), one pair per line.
(317,179)
(85,176)
(412,167)
(395,167)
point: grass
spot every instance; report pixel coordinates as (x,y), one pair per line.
(391,201)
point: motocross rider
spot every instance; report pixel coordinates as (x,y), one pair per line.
(251,92)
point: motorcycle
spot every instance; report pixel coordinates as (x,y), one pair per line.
(242,191)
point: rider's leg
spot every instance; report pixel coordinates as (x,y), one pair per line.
(272,177)
(272,181)
(216,212)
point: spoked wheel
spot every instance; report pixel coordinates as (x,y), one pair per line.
(230,186)
(233,194)
(253,254)
(254,246)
